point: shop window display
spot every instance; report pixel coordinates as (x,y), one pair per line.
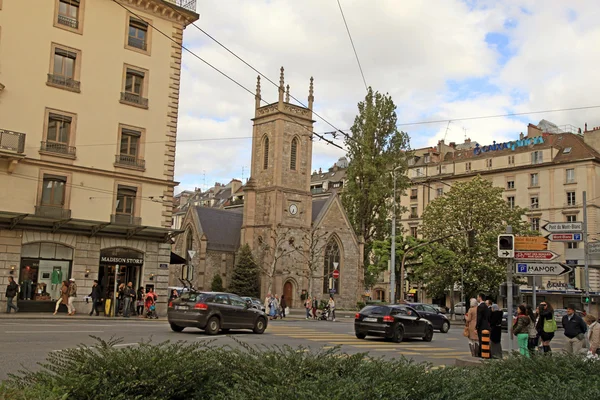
(43,268)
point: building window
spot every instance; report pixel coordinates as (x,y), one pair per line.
(126,200)
(135,87)
(130,149)
(511,160)
(58,134)
(510,184)
(413,231)
(535,224)
(467,167)
(570,175)
(534,181)
(411,161)
(53,191)
(488,163)
(413,194)
(510,200)
(426,158)
(572,245)
(537,157)
(293,153)
(69,15)
(189,245)
(440,192)
(534,202)
(418,173)
(337,185)
(266,152)
(571,218)
(570,198)
(332,261)
(413,212)
(138,34)
(64,72)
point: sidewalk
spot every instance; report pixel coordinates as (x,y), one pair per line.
(77,317)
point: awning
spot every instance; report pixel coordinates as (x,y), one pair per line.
(177,259)
(412,291)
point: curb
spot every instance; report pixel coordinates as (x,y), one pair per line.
(468,362)
(35,316)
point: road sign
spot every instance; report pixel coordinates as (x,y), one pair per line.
(593,248)
(565,237)
(563,227)
(542,268)
(531,243)
(191,253)
(506,246)
(535,255)
(336,273)
(332,291)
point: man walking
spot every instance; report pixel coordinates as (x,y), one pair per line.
(575,329)
(128,295)
(11,292)
(96,296)
(483,318)
(72,295)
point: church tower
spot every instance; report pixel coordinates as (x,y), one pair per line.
(277,194)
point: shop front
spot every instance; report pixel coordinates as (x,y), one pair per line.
(119,266)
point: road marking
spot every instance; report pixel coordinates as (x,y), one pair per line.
(46,332)
(453,338)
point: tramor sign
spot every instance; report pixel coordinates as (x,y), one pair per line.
(513,145)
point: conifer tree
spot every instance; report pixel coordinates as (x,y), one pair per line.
(245,280)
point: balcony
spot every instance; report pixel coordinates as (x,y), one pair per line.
(125,219)
(187,4)
(134,99)
(413,216)
(413,197)
(137,43)
(12,141)
(68,21)
(58,148)
(52,212)
(124,160)
(64,82)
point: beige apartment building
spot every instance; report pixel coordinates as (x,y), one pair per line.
(88,123)
(545,171)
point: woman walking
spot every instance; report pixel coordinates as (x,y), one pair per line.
(593,335)
(64,296)
(274,309)
(496,332)
(307,306)
(283,305)
(546,325)
(521,330)
(140,302)
(532,331)
(332,308)
(471,328)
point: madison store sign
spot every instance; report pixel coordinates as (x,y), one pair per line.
(508,145)
(121,260)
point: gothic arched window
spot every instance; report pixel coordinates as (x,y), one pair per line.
(332,260)
(293,154)
(189,245)
(266,152)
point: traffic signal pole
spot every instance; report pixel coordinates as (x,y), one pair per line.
(585,253)
(509,296)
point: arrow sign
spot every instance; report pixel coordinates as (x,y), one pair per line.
(593,248)
(535,255)
(565,237)
(563,227)
(542,269)
(531,243)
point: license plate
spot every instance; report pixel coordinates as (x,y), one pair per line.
(370,319)
(181,307)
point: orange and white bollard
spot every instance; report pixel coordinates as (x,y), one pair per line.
(485,344)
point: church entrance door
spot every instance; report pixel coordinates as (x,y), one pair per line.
(288,292)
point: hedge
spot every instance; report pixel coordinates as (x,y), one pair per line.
(204,371)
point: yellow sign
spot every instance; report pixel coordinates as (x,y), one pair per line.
(531,243)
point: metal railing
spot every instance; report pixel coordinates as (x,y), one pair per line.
(133,98)
(125,159)
(413,216)
(137,43)
(125,219)
(65,81)
(52,212)
(60,148)
(187,4)
(12,141)
(68,21)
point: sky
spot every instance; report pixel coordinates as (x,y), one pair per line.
(439,60)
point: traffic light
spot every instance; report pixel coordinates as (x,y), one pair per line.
(585,299)
(506,246)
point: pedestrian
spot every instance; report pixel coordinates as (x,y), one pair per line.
(283,305)
(96,296)
(546,325)
(274,308)
(268,303)
(332,307)
(483,318)
(120,299)
(532,331)
(140,302)
(593,335)
(11,292)
(64,296)
(496,332)
(72,296)
(575,329)
(471,328)
(307,306)
(315,306)
(521,330)
(174,295)
(128,295)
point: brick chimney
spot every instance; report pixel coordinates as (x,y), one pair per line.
(592,138)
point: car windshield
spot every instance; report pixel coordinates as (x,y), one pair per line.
(380,310)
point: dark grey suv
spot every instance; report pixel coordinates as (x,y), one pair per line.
(214,312)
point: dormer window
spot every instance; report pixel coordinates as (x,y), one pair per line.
(426,159)
(411,161)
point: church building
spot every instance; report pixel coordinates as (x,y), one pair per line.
(300,243)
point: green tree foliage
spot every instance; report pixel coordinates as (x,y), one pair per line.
(217,283)
(246,277)
(381,252)
(375,148)
(479,207)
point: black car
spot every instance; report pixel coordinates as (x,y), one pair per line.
(433,315)
(394,322)
(212,312)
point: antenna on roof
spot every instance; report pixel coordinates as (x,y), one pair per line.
(243,173)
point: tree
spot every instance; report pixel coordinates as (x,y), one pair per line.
(311,250)
(381,252)
(473,206)
(245,280)
(277,245)
(217,283)
(376,146)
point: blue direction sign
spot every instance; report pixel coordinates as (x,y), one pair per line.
(542,269)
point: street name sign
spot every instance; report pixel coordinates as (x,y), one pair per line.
(561,227)
(535,255)
(542,268)
(530,243)
(593,248)
(565,237)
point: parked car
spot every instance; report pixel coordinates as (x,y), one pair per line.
(393,322)
(504,323)
(256,303)
(433,315)
(214,312)
(459,308)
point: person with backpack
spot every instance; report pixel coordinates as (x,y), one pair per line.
(546,325)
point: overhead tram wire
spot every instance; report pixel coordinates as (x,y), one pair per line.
(353,47)
(218,70)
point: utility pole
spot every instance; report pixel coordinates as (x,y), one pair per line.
(585,253)
(393,250)
(509,295)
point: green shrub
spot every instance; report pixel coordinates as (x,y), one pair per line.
(203,371)
(217,283)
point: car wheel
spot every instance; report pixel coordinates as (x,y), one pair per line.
(398,334)
(445,327)
(176,328)
(360,335)
(212,326)
(260,326)
(428,335)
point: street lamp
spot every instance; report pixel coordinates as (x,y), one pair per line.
(393,250)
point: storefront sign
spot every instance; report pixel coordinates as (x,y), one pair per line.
(559,285)
(508,145)
(121,260)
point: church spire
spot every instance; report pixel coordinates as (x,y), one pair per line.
(257,96)
(287,94)
(311,98)
(281,86)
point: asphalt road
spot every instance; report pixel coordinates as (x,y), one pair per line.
(26,342)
